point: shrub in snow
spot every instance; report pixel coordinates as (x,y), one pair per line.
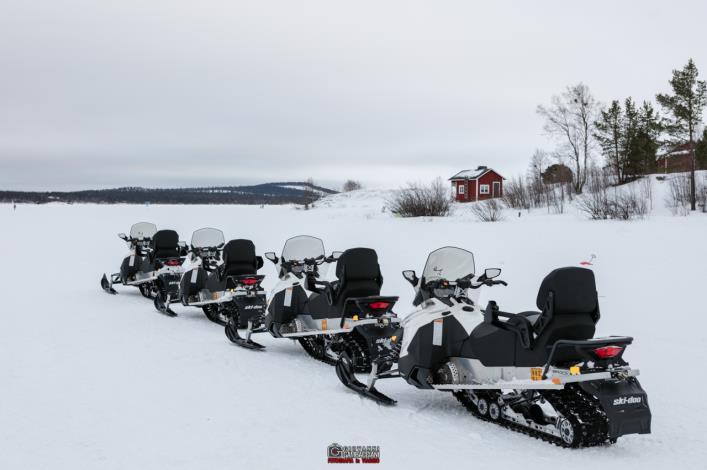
(421,201)
(488,211)
(602,200)
(678,197)
(619,204)
(351,185)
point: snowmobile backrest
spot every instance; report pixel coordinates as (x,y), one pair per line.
(165,244)
(239,258)
(567,291)
(357,264)
(574,290)
(359,275)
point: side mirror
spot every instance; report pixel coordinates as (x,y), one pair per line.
(122,236)
(491,273)
(182,244)
(270,255)
(411,277)
(336,255)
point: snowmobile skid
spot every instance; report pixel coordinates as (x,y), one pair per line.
(541,373)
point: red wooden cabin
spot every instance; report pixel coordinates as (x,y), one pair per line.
(477,185)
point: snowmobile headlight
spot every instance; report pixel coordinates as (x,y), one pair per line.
(355,318)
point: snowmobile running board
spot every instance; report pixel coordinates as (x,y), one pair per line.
(546,384)
(141,281)
(347,328)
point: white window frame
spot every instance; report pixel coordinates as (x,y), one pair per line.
(460,189)
(484,189)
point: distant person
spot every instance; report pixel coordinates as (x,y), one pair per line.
(14,206)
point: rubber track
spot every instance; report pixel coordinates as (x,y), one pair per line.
(581,409)
(314,345)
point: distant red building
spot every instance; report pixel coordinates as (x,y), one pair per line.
(477,185)
(679,158)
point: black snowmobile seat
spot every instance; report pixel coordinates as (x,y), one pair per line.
(359,275)
(165,244)
(239,258)
(570,311)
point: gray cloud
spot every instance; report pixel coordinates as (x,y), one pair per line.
(167,93)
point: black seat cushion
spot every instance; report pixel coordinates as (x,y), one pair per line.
(239,258)
(359,276)
(165,244)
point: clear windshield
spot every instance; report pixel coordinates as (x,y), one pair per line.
(301,247)
(207,238)
(448,263)
(142,230)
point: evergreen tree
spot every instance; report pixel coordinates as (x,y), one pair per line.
(684,108)
(610,135)
(628,138)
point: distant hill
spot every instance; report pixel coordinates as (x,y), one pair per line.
(267,193)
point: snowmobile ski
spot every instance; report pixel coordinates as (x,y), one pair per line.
(345,372)
(107,285)
(233,336)
(163,307)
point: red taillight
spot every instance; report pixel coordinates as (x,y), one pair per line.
(250,281)
(173,262)
(606,352)
(379,305)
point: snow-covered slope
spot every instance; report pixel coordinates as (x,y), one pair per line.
(93,381)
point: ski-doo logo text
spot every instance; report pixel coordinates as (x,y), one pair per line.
(337,453)
(252,307)
(627,401)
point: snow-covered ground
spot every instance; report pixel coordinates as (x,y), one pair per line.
(89,380)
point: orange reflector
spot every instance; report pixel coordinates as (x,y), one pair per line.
(324,324)
(556,380)
(394,338)
(536,373)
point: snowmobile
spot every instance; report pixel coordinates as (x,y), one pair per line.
(199,286)
(541,372)
(230,293)
(131,274)
(330,317)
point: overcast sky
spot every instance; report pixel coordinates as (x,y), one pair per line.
(172,92)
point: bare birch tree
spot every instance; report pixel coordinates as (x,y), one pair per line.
(570,119)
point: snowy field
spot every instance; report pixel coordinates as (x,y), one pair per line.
(89,380)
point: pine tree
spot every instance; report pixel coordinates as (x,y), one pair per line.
(628,138)
(610,135)
(684,108)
